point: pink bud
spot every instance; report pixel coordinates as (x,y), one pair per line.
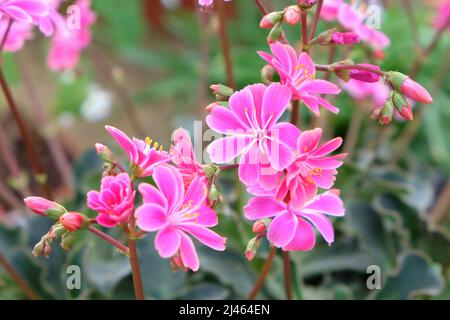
(265,23)
(384,119)
(406,113)
(40,205)
(250,255)
(72,221)
(335,191)
(100,147)
(259,227)
(344,38)
(209,108)
(365,76)
(214,87)
(415,91)
(270,19)
(291,16)
(379,54)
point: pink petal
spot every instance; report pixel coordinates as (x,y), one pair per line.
(257,91)
(324,103)
(305,59)
(18,14)
(322,224)
(32,7)
(242,105)
(309,140)
(320,87)
(265,56)
(226,149)
(286,133)
(280,52)
(207,217)
(167,242)
(151,217)
(276,100)
(327,203)
(328,147)
(224,121)
(196,193)
(279,154)
(125,142)
(204,235)
(304,238)
(311,103)
(282,229)
(170,184)
(263,207)
(152,195)
(107,221)
(188,253)
(249,166)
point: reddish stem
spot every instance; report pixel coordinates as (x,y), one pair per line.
(304,30)
(261,7)
(124,249)
(287,274)
(226,49)
(263,275)
(316,19)
(333,68)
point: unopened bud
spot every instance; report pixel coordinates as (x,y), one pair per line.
(306,4)
(104,153)
(291,15)
(275,33)
(67,240)
(259,226)
(252,248)
(210,170)
(214,194)
(73,221)
(44,206)
(267,73)
(270,19)
(386,113)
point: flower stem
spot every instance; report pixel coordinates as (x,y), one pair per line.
(135,270)
(261,7)
(439,212)
(35,163)
(21,282)
(224,38)
(305,41)
(334,68)
(287,274)
(316,19)
(295,112)
(262,277)
(228,167)
(124,249)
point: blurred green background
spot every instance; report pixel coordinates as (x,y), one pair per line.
(155,61)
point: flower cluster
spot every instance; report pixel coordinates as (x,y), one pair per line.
(69,35)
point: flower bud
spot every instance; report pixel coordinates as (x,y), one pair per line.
(270,19)
(365,76)
(411,89)
(306,4)
(221,91)
(73,221)
(104,153)
(44,206)
(267,73)
(42,248)
(214,194)
(291,15)
(275,33)
(259,226)
(67,240)
(386,113)
(252,248)
(402,106)
(209,108)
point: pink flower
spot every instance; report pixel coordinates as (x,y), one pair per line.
(114,202)
(353,20)
(378,92)
(52,20)
(176,214)
(298,73)
(18,34)
(183,156)
(23,11)
(365,76)
(344,38)
(143,156)
(312,168)
(292,227)
(67,44)
(72,221)
(442,18)
(41,205)
(253,132)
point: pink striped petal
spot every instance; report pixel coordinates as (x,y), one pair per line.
(304,238)
(226,149)
(286,133)
(207,217)
(282,229)
(196,193)
(279,154)
(152,195)
(305,60)
(327,203)
(323,224)
(151,217)
(242,105)
(170,184)
(188,253)
(124,141)
(276,100)
(107,221)
(320,87)
(309,140)
(204,235)
(324,103)
(224,121)
(249,167)
(267,57)
(263,207)
(167,242)
(328,147)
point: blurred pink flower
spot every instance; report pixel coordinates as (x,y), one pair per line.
(53,20)
(18,34)
(312,168)
(353,20)
(183,156)
(365,76)
(292,227)
(253,132)
(176,214)
(23,11)
(143,156)
(442,18)
(207,3)
(67,43)
(298,73)
(377,92)
(115,201)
